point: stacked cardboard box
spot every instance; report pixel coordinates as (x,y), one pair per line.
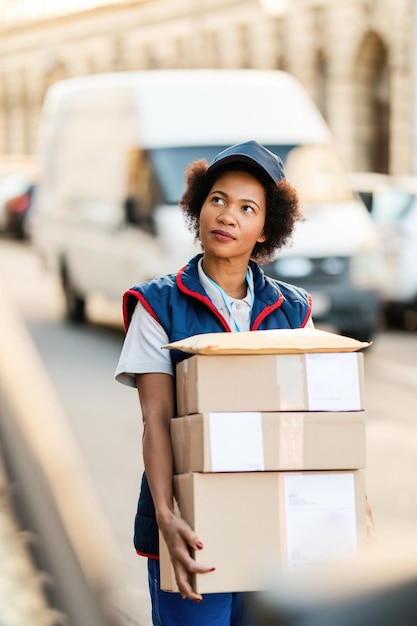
(269,453)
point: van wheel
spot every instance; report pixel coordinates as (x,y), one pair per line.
(410,318)
(74,302)
(394,316)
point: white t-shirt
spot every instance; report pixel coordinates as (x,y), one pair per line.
(142,353)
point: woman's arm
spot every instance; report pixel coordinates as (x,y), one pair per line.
(157,399)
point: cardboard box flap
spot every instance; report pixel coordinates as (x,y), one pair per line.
(279,341)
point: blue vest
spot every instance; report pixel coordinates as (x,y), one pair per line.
(180,304)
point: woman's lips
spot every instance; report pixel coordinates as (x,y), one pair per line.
(221,235)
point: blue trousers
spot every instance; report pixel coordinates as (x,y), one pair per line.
(169,609)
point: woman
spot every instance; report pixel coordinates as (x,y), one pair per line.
(242,210)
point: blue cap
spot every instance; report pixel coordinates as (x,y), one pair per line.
(252,153)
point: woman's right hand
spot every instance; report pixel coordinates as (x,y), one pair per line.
(180,539)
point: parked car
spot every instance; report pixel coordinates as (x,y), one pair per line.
(18,176)
(17,209)
(392,204)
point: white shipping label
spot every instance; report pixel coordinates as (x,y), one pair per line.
(236,442)
(333,381)
(320,517)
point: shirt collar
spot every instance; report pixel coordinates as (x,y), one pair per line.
(214,294)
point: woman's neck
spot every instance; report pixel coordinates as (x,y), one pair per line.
(231,277)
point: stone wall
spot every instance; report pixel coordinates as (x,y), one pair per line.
(353,56)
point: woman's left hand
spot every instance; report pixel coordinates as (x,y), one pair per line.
(370,526)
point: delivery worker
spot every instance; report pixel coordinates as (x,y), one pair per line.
(242,210)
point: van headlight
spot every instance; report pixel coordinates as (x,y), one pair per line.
(293,267)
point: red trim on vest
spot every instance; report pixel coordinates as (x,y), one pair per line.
(266,311)
(155,557)
(310,307)
(142,300)
(204,299)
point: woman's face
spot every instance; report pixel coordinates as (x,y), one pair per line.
(232,217)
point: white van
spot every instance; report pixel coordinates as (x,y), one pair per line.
(113,151)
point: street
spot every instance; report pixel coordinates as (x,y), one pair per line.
(105,416)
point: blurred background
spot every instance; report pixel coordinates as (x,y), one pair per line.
(66,428)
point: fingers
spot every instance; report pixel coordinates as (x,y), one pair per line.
(192,540)
(370,526)
(180,539)
(182,577)
(370,537)
(184,572)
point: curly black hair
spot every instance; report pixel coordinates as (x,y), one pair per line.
(282,205)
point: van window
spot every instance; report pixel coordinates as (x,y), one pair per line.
(143,192)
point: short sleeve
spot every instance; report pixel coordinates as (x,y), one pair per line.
(141,352)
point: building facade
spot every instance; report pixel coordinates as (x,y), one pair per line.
(355,57)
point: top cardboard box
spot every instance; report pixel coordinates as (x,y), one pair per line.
(270,382)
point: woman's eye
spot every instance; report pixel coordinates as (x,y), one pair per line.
(247,208)
(218,200)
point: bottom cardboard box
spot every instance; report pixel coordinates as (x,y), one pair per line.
(252,523)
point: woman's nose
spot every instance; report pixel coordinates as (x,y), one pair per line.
(227,215)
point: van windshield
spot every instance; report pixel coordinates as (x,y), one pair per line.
(315,170)
(169,165)
(318,175)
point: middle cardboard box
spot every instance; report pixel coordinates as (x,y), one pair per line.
(273,441)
